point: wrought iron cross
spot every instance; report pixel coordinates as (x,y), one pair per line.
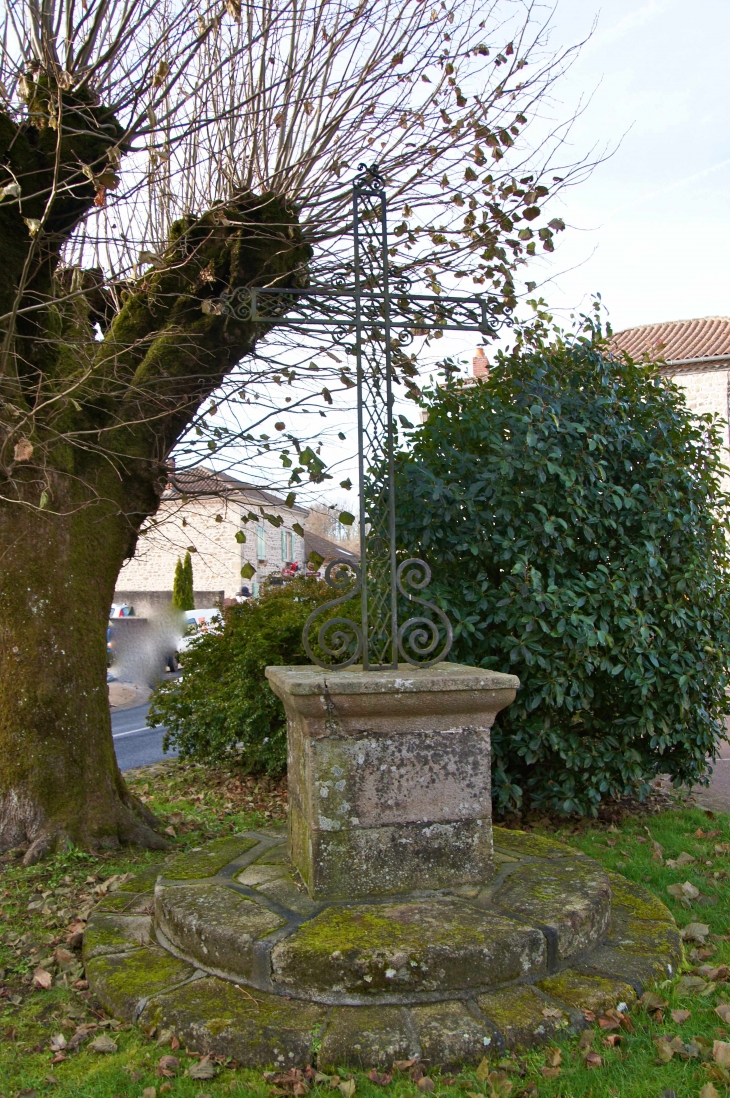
(383,315)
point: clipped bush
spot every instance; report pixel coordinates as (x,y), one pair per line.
(571,508)
(222,709)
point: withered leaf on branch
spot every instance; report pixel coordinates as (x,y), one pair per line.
(23,450)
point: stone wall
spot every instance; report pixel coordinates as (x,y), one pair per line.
(708,390)
(207,529)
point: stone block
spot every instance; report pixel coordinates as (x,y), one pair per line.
(522,844)
(123,982)
(522,1016)
(368,1037)
(572,895)
(213,925)
(596,993)
(208,861)
(406,948)
(222,1019)
(451,1036)
(390,768)
(115,934)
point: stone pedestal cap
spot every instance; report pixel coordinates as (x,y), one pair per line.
(448,694)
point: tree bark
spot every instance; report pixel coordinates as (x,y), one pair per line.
(101,418)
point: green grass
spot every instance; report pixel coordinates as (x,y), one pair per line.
(202,805)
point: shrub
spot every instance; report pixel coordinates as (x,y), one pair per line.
(222,708)
(182,587)
(571,509)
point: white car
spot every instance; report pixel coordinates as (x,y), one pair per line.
(199,622)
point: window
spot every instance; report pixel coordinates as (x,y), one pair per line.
(287,546)
(261,541)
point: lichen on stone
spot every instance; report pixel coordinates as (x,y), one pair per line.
(206,862)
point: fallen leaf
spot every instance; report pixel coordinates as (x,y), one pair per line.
(723,1011)
(404,1065)
(204,1069)
(500,1085)
(168,1065)
(380,1080)
(42,979)
(650,1001)
(664,1050)
(103,1043)
(612,1040)
(554,1057)
(550,1073)
(685,892)
(700,834)
(424,1084)
(58,1042)
(680,862)
(708,1091)
(483,1069)
(165,1088)
(593,1060)
(149,1092)
(681,1016)
(721,1053)
(690,984)
(695,932)
(586,1039)
(552,1012)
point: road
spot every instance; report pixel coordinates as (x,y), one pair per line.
(134,742)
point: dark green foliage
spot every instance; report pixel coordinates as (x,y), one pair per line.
(571,509)
(182,587)
(222,708)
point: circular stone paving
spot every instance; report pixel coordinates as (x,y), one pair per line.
(223,946)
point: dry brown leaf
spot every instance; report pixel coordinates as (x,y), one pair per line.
(380,1080)
(612,1040)
(204,1069)
(593,1060)
(708,1091)
(168,1066)
(42,979)
(424,1084)
(347,1088)
(664,1050)
(554,1057)
(721,1053)
(723,1011)
(103,1043)
(586,1039)
(550,1073)
(681,1016)
(695,932)
(680,862)
(23,450)
(483,1069)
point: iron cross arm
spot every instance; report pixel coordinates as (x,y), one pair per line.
(322,307)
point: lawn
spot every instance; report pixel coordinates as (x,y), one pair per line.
(53,1037)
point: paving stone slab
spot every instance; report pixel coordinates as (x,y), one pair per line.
(368,1037)
(573,896)
(213,925)
(421,946)
(524,844)
(450,1035)
(116,934)
(629,899)
(524,1017)
(129,903)
(596,993)
(122,982)
(208,860)
(222,1019)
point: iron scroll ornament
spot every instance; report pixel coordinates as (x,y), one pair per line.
(338,636)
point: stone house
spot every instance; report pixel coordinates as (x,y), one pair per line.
(695,354)
(201,512)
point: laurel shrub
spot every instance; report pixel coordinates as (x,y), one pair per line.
(571,508)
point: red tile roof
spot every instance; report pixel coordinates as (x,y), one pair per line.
(705,338)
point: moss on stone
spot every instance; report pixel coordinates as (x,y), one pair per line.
(596,993)
(129,903)
(220,1018)
(115,934)
(211,859)
(637,902)
(450,1036)
(122,981)
(278,855)
(367,1037)
(527,845)
(144,881)
(522,1016)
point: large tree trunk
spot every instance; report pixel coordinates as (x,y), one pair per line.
(59,781)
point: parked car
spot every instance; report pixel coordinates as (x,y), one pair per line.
(197,623)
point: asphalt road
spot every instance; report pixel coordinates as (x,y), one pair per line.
(134,742)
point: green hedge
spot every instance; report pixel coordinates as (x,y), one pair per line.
(222,709)
(571,509)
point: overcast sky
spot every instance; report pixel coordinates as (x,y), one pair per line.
(650,230)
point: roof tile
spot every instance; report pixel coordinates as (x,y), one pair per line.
(706,337)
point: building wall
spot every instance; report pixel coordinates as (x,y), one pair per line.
(709,391)
(207,528)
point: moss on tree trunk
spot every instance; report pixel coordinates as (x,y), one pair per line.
(101,418)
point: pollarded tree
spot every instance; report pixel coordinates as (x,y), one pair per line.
(572,510)
(154,155)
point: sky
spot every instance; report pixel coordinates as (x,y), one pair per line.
(650,229)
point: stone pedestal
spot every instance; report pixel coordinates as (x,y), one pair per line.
(389,776)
